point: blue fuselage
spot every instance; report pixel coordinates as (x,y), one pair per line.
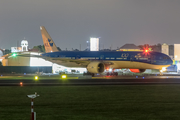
(154,58)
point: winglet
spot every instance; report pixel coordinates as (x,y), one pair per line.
(47,40)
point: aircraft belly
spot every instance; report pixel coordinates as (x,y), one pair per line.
(135,65)
(70,64)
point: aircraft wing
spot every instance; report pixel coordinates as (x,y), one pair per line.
(29,55)
(79,62)
(61,61)
(66,60)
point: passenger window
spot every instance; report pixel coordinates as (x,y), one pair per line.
(152,57)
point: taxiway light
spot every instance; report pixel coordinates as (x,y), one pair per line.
(63,76)
(36,77)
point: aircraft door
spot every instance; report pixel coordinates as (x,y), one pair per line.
(152,59)
(78,57)
(132,63)
(132,58)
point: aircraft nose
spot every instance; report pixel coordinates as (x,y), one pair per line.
(170,61)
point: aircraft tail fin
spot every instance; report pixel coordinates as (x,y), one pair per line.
(47,40)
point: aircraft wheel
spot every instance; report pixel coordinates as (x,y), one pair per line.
(92,74)
(107,73)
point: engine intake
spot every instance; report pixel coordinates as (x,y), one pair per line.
(95,67)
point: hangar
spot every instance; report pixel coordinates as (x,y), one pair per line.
(15,60)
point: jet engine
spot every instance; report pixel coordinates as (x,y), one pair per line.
(95,67)
(137,70)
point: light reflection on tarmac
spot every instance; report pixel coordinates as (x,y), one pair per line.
(87,80)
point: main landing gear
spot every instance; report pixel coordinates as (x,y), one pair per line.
(111,74)
(88,73)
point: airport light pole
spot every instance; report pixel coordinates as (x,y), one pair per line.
(33,96)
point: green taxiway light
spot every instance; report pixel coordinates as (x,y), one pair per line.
(14,54)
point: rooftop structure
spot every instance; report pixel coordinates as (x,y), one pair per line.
(129,47)
(24,45)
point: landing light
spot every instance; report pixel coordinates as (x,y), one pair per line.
(163,69)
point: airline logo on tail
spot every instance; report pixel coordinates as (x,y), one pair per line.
(48,42)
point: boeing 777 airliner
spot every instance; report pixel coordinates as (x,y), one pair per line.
(98,61)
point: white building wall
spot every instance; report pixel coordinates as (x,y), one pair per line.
(16,49)
(165,49)
(9,60)
(176,51)
(24,45)
(16,61)
(94,44)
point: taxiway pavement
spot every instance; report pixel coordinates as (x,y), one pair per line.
(57,81)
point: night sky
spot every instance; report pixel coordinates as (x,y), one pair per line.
(72,22)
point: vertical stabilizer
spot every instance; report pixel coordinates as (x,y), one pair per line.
(47,40)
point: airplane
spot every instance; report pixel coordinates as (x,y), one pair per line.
(99,61)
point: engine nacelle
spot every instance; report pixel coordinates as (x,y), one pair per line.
(95,67)
(137,70)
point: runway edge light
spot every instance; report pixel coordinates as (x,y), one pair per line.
(21,83)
